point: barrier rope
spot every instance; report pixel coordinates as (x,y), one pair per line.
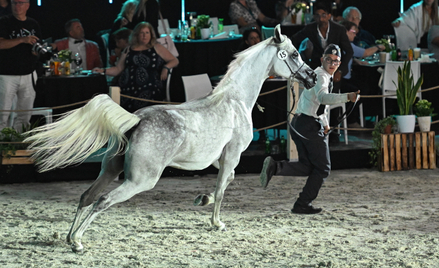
(261,94)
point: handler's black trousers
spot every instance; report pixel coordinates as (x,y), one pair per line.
(314,162)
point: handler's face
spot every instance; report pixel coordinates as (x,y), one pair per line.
(330,63)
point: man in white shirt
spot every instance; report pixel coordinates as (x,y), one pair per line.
(309,132)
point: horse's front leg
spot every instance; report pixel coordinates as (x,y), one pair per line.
(222,183)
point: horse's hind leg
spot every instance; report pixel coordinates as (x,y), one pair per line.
(111,168)
(143,180)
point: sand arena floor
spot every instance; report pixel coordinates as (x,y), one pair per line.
(370,219)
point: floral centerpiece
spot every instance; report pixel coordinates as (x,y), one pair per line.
(385,43)
(65,55)
(299,6)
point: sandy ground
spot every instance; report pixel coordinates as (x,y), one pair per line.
(370,219)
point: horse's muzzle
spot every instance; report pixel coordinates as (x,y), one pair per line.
(310,79)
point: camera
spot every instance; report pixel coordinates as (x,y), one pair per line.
(43,51)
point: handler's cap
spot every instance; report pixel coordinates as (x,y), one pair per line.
(333,49)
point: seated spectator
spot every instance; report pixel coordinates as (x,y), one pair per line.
(76,42)
(433,41)
(143,68)
(283,9)
(5,8)
(246,14)
(347,84)
(249,38)
(124,17)
(417,20)
(121,38)
(363,38)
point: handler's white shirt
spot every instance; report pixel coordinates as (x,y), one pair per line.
(311,99)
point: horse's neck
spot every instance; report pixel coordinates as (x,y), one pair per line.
(249,80)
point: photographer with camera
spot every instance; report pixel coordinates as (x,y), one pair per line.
(18,35)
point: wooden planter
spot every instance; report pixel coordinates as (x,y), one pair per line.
(21,157)
(408,151)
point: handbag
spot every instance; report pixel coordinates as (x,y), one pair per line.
(167,41)
(168,44)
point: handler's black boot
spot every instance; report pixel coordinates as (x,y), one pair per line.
(268,170)
(305,209)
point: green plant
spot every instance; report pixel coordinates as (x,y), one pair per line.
(406,89)
(423,108)
(11,140)
(380,128)
(65,55)
(203,21)
(299,6)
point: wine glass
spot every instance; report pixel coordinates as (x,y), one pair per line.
(78,62)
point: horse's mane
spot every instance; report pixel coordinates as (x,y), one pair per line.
(243,56)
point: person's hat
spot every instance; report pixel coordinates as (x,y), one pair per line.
(333,49)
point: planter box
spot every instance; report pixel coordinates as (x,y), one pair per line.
(408,151)
(21,157)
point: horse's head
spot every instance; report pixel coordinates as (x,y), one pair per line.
(289,63)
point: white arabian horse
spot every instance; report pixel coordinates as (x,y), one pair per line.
(213,130)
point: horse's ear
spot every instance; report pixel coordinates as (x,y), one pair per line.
(278,37)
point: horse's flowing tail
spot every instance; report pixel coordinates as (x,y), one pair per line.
(81,132)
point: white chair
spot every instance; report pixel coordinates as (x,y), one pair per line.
(267,32)
(168,82)
(45,111)
(214,21)
(196,86)
(345,122)
(106,39)
(163,29)
(390,75)
(405,37)
(228,28)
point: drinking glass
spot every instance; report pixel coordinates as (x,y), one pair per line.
(78,62)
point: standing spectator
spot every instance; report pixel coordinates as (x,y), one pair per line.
(363,38)
(246,13)
(148,11)
(321,33)
(309,133)
(418,19)
(76,42)
(124,18)
(143,68)
(18,33)
(5,7)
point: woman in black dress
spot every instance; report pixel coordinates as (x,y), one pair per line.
(143,67)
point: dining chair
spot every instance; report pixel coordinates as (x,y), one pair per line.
(44,111)
(168,82)
(214,21)
(106,40)
(267,32)
(345,121)
(405,37)
(228,28)
(390,78)
(163,29)
(196,86)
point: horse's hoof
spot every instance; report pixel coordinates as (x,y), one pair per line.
(77,247)
(69,239)
(201,200)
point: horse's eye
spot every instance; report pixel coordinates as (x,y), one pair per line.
(295,54)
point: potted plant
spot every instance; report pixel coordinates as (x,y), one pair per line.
(384,126)
(204,25)
(406,92)
(424,112)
